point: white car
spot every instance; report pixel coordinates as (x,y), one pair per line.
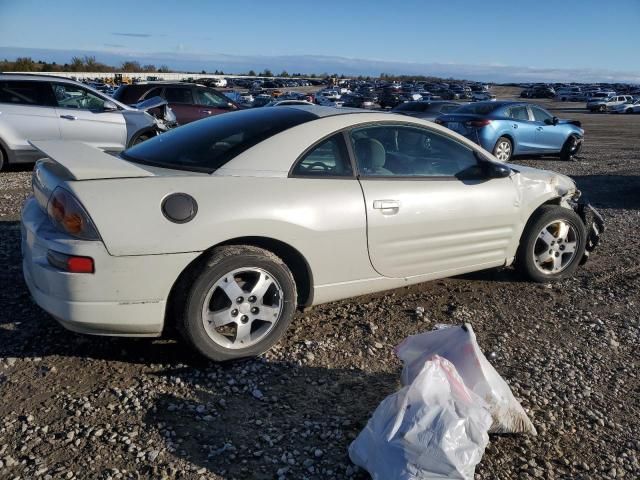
(223,227)
(44,107)
(482,97)
(626,107)
(219,82)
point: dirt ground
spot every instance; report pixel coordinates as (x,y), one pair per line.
(75,406)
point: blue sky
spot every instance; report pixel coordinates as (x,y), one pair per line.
(584,37)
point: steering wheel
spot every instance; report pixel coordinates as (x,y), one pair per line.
(320,165)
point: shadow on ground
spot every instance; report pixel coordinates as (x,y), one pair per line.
(319,407)
(611,191)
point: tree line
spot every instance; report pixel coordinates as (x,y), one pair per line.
(90,64)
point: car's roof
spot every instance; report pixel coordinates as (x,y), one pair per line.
(35,77)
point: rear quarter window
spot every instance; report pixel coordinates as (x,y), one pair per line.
(208,144)
(37,94)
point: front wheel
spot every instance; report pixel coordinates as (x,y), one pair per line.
(571,148)
(503,149)
(552,244)
(239,305)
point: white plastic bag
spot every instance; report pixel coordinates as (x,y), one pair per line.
(434,428)
(458,345)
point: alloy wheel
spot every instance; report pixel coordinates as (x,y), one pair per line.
(242,307)
(503,151)
(555,247)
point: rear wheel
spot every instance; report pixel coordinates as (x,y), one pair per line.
(2,160)
(552,244)
(602,108)
(629,110)
(239,305)
(503,149)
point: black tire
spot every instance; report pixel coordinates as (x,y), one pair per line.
(497,146)
(222,261)
(141,138)
(571,148)
(3,163)
(628,111)
(529,243)
(602,108)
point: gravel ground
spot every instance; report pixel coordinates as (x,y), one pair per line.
(74,406)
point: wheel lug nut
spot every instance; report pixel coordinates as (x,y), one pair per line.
(244,319)
(234,312)
(252,298)
(255,310)
(239,300)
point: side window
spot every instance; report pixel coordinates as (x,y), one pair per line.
(37,94)
(519,113)
(327,159)
(540,115)
(71,96)
(398,150)
(178,95)
(154,92)
(210,99)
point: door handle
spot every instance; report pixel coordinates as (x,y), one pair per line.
(539,129)
(208,112)
(515,125)
(69,117)
(386,204)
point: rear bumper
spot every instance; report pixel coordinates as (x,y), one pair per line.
(125,296)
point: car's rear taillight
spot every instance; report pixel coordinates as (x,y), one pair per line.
(478,123)
(68,215)
(70,263)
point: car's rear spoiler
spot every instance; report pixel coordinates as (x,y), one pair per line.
(84,162)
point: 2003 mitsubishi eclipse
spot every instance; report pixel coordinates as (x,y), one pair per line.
(223,227)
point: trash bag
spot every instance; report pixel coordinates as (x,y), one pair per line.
(458,345)
(432,429)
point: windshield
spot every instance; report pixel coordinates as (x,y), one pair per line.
(207,144)
(478,108)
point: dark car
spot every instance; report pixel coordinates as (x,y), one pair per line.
(358,101)
(426,110)
(188,101)
(390,98)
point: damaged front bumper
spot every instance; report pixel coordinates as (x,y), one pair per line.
(593,222)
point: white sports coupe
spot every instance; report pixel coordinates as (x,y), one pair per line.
(223,227)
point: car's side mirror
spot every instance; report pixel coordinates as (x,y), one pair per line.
(109,106)
(496,170)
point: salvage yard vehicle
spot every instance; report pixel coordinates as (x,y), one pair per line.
(626,107)
(509,128)
(426,110)
(189,101)
(221,228)
(604,104)
(44,107)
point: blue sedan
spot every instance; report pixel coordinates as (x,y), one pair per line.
(515,128)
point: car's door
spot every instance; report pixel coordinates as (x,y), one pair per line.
(82,117)
(430,210)
(181,101)
(549,137)
(521,127)
(212,103)
(27,112)
(330,203)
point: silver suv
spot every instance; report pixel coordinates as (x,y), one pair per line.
(43,107)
